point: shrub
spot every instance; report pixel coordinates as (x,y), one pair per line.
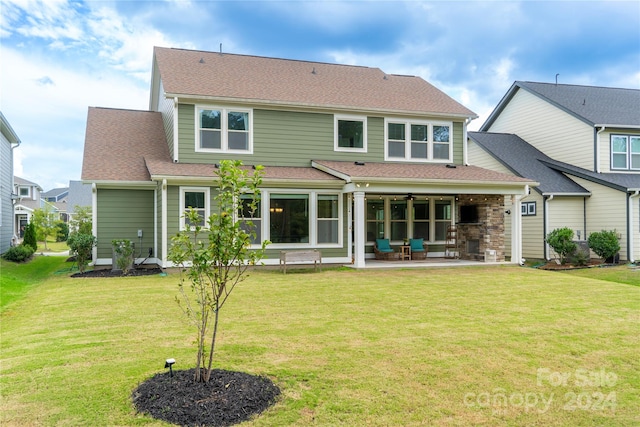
(561,241)
(123,250)
(29,238)
(81,246)
(604,243)
(62,231)
(18,253)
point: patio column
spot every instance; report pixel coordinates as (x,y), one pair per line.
(516,229)
(359,221)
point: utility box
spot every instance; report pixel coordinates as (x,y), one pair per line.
(490,255)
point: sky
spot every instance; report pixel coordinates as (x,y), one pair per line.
(60,57)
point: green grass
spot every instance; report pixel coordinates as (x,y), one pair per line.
(353,348)
(17,279)
(629,274)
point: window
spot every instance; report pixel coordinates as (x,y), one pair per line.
(418,141)
(625,152)
(375,219)
(443,218)
(328,218)
(247,217)
(421,219)
(222,129)
(350,133)
(24,192)
(528,208)
(196,198)
(289,218)
(398,219)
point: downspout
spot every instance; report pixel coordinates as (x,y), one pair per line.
(465,155)
(94,219)
(597,149)
(175,130)
(545,226)
(630,222)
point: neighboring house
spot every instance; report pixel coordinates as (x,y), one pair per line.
(28,198)
(582,143)
(351,154)
(8,141)
(79,196)
(58,198)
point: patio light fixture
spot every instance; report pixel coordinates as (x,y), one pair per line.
(169,364)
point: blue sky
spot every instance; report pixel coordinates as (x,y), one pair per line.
(59,57)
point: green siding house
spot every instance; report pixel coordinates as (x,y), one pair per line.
(351,154)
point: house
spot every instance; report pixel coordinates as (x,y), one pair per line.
(582,143)
(351,154)
(8,141)
(79,196)
(28,198)
(58,198)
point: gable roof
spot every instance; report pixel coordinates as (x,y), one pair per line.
(620,181)
(118,141)
(594,105)
(24,182)
(525,160)
(243,78)
(56,192)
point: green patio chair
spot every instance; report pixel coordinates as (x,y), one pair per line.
(418,248)
(383,250)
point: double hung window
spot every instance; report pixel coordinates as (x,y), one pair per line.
(418,141)
(224,129)
(247,216)
(350,133)
(625,152)
(197,199)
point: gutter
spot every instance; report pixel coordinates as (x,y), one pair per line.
(596,155)
(630,222)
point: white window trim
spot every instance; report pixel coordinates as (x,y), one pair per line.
(22,187)
(313,218)
(407,135)
(224,137)
(363,119)
(207,204)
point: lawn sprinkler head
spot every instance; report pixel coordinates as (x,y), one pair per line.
(169,364)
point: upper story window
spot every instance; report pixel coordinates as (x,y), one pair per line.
(198,199)
(25,192)
(224,129)
(625,152)
(418,141)
(350,133)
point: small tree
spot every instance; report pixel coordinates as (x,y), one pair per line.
(81,220)
(123,250)
(81,246)
(45,224)
(219,263)
(29,238)
(604,243)
(561,241)
(62,231)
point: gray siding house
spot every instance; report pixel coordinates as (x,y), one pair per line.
(8,141)
(351,154)
(582,143)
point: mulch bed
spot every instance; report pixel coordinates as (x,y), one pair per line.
(228,398)
(107,272)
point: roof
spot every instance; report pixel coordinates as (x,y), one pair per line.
(415,173)
(524,160)
(593,105)
(117,142)
(55,192)
(21,181)
(620,181)
(255,79)
(7,130)
(159,169)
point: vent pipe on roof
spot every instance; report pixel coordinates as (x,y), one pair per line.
(220,48)
(314,71)
(557,74)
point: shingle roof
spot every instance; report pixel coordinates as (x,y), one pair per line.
(300,83)
(161,168)
(416,173)
(619,181)
(117,142)
(525,160)
(594,105)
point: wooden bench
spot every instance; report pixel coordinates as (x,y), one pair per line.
(298,257)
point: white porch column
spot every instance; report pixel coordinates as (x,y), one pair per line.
(516,229)
(359,224)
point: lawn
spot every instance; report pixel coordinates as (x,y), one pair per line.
(454,347)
